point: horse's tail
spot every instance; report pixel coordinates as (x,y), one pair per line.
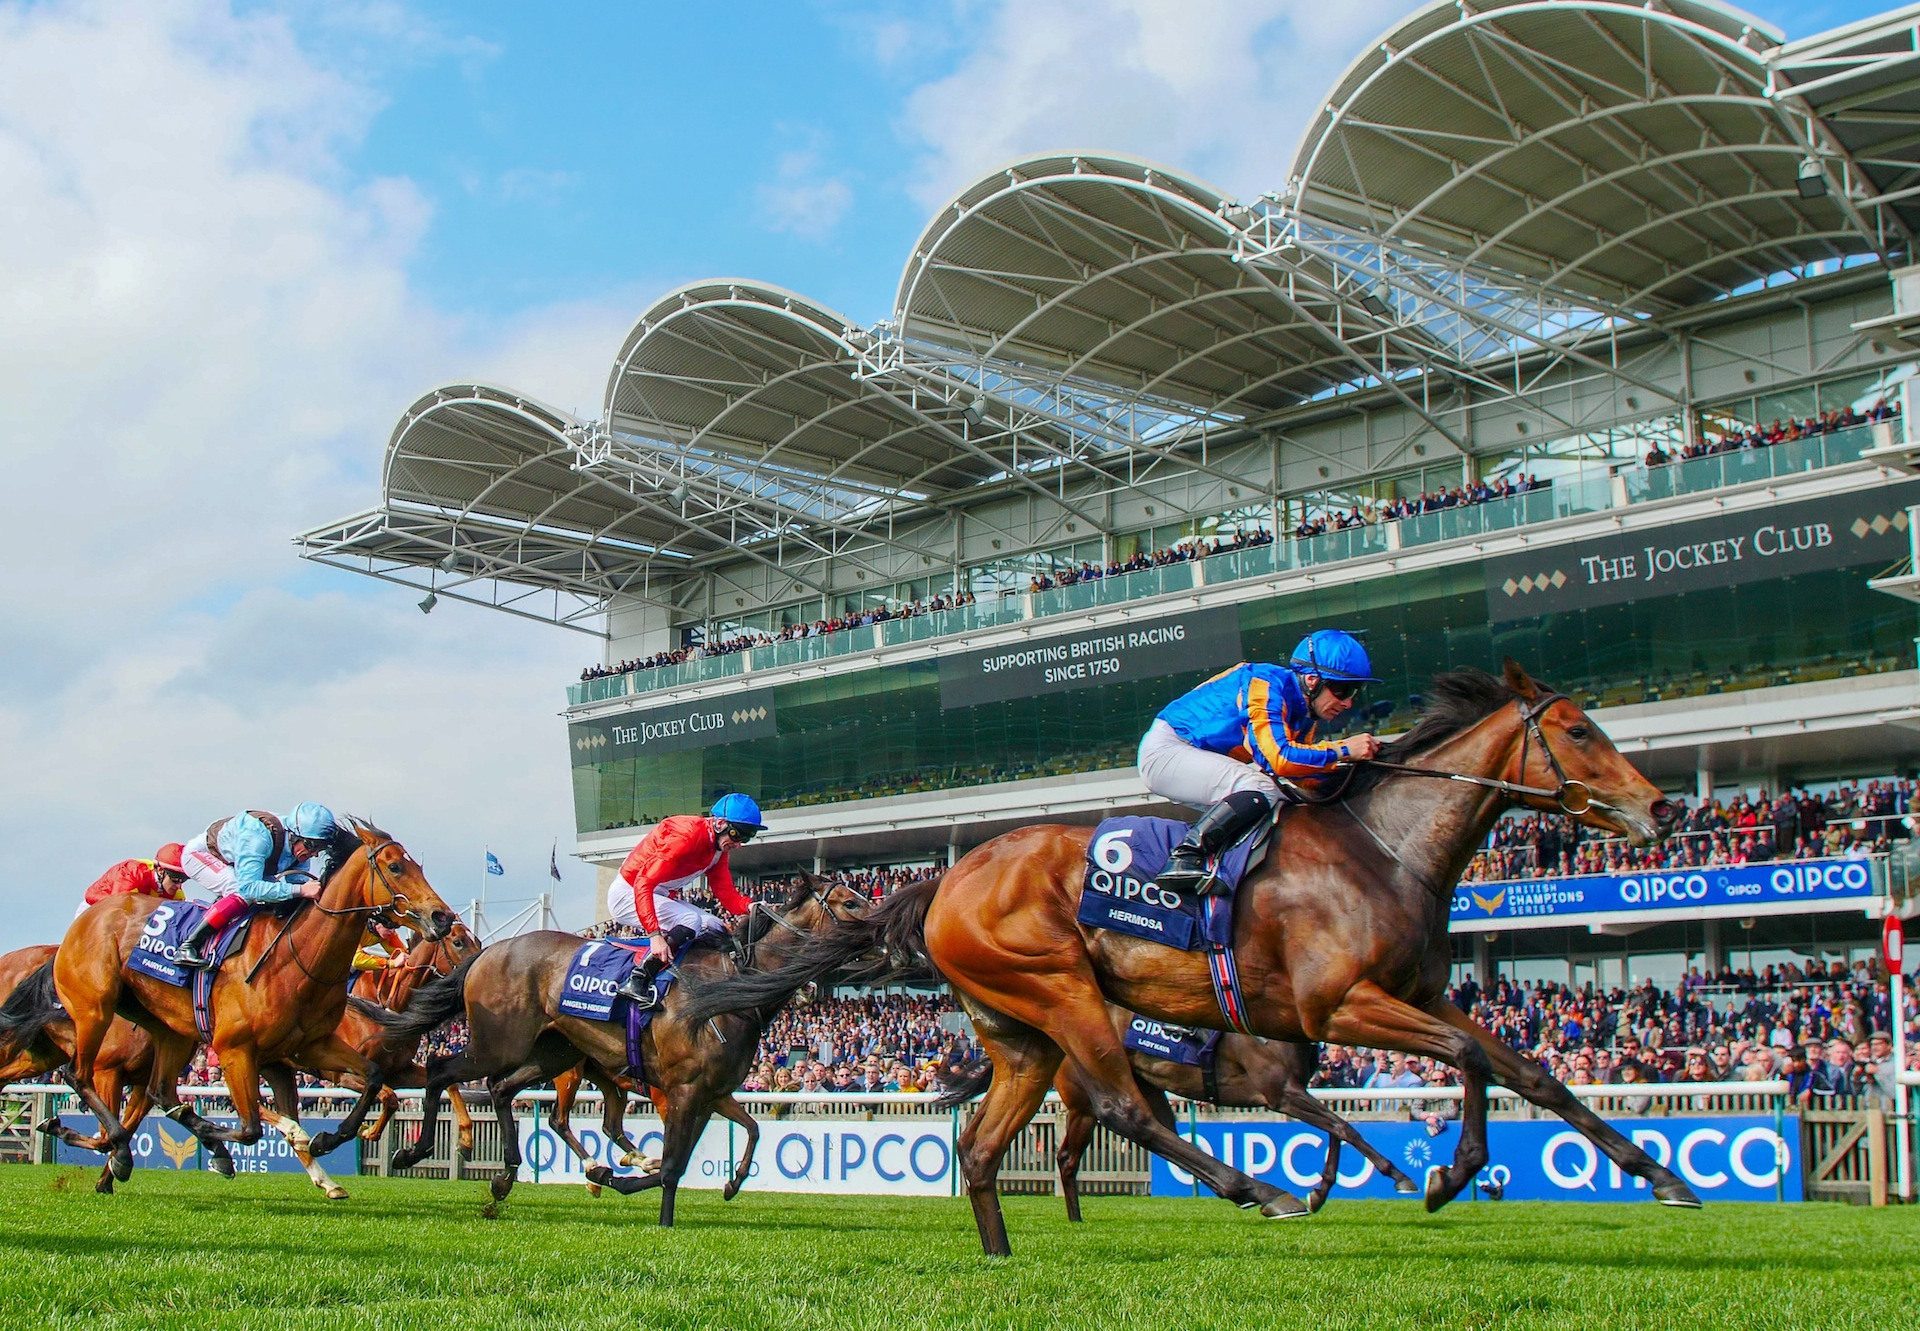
(962,1085)
(891,938)
(32,1004)
(438,1000)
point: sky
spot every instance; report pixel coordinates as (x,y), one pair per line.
(237,239)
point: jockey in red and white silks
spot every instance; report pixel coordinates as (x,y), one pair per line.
(646,893)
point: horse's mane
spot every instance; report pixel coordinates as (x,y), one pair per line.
(345,842)
(1457,700)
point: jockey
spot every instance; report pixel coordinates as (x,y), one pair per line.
(254,858)
(1223,746)
(160,876)
(646,893)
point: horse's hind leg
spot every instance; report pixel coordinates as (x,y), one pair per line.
(92,1013)
(1074,1137)
(442,1072)
(566,1089)
(1288,1094)
(1529,1080)
(1024,1062)
(549,1057)
(730,1109)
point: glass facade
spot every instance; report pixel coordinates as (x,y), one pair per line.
(882,731)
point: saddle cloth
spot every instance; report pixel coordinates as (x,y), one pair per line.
(167,930)
(1176,1044)
(598,969)
(1120,893)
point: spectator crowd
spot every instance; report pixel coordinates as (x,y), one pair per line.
(1180,552)
(1368,512)
(1762,436)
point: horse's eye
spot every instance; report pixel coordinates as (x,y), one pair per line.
(397,868)
(1578,734)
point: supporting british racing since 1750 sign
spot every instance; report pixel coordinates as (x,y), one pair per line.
(1137,649)
(1835,531)
(745,714)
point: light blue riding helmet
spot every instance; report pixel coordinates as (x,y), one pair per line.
(311,821)
(738,809)
(1333,654)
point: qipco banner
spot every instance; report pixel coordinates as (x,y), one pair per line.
(1665,889)
(160,1143)
(903,1157)
(1741,1158)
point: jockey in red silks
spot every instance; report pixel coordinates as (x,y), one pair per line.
(1225,746)
(160,876)
(255,858)
(646,893)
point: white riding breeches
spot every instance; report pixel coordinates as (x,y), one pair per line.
(1174,769)
(673,913)
(206,869)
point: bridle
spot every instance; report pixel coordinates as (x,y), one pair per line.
(761,908)
(1573,797)
(388,912)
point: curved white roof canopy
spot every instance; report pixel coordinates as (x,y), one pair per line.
(1116,272)
(1629,154)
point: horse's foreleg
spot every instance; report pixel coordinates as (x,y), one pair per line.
(442,1072)
(548,1058)
(566,1089)
(388,1103)
(1529,1080)
(92,1014)
(1369,1015)
(343,1065)
(1075,1134)
(285,1116)
(731,1110)
(685,1122)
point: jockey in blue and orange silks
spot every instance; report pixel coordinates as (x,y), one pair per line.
(255,858)
(1220,746)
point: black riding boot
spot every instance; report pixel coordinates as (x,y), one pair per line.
(1218,828)
(639,983)
(192,954)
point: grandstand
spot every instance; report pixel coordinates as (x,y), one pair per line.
(1577,332)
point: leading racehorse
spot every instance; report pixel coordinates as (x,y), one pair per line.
(277,1001)
(1340,935)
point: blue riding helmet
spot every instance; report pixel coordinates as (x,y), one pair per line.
(312,822)
(1332,654)
(738,809)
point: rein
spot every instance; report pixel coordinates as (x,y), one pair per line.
(1572,796)
(396,898)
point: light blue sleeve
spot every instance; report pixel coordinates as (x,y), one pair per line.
(247,845)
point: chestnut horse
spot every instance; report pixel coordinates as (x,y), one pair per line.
(427,959)
(517,1037)
(277,1001)
(1340,935)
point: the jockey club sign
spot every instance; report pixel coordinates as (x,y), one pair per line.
(747,714)
(1836,531)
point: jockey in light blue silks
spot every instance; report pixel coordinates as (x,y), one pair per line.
(256,859)
(1221,746)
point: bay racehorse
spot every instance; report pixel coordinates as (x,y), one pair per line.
(1340,935)
(427,959)
(277,1000)
(517,1036)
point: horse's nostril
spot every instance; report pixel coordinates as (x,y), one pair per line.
(1666,812)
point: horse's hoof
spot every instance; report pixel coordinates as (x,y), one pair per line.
(1438,1194)
(729,1192)
(465,1147)
(336,1193)
(501,1187)
(49,1125)
(598,1176)
(1406,1187)
(121,1163)
(593,1189)
(369,1133)
(1677,1194)
(1285,1207)
(325,1144)
(221,1165)
(1315,1200)
(402,1158)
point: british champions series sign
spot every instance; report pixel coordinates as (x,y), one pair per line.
(746,714)
(1206,640)
(1781,881)
(1837,531)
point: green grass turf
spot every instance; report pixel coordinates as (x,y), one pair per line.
(192,1250)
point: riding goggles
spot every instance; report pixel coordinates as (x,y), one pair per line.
(1342,688)
(742,832)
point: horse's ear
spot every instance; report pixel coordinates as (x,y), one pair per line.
(1518,679)
(367,838)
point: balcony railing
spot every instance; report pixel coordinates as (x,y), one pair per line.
(1589,492)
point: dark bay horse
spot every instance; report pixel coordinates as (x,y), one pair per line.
(426,960)
(1248,1073)
(1341,935)
(277,1001)
(614,1090)
(517,1037)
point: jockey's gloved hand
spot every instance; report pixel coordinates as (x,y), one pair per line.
(657,947)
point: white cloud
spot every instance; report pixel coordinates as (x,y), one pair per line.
(1219,89)
(800,200)
(206,331)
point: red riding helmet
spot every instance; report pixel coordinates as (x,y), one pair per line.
(168,858)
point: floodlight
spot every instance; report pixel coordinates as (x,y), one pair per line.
(427,605)
(1813,180)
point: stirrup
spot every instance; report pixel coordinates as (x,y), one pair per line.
(189,957)
(1183,879)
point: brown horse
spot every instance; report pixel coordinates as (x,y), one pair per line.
(614,1090)
(119,1075)
(1340,935)
(277,1001)
(517,1037)
(1248,1073)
